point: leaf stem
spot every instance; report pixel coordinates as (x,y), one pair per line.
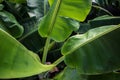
(58,61)
(46,47)
(45,6)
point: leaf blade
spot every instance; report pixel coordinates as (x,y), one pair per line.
(50,22)
(86,38)
(95,57)
(16,60)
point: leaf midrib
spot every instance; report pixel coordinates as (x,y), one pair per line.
(54,16)
(92,39)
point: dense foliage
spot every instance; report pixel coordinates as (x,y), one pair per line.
(79,39)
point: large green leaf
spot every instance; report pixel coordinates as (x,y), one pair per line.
(73,74)
(59,28)
(16,61)
(62,30)
(77,9)
(9,24)
(92,53)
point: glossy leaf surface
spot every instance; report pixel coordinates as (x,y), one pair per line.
(92,54)
(16,61)
(77,9)
(59,28)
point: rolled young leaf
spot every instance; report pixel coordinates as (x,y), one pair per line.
(16,61)
(93,53)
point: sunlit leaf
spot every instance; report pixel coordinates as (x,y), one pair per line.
(77,9)
(57,27)
(16,61)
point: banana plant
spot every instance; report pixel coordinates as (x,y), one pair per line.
(87,56)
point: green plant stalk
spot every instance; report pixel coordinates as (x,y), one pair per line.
(45,7)
(58,61)
(50,46)
(47,40)
(46,48)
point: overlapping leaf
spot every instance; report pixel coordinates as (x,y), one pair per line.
(77,9)
(16,61)
(57,27)
(92,54)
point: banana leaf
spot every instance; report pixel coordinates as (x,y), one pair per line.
(94,52)
(16,61)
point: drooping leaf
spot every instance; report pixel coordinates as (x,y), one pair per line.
(57,27)
(16,61)
(92,53)
(9,24)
